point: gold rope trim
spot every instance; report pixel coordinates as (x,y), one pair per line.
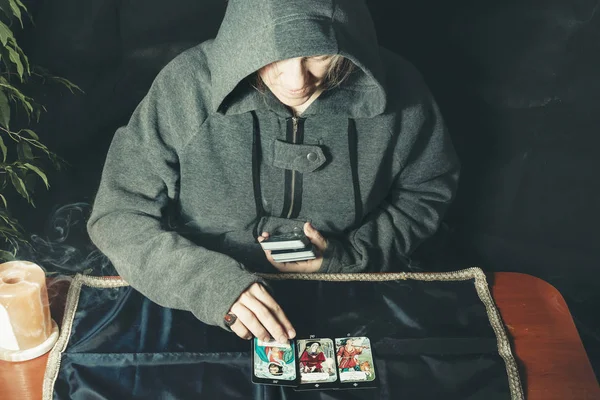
(53,364)
(481,286)
(103,282)
(460,275)
(504,348)
(54,357)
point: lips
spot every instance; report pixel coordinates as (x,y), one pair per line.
(295,93)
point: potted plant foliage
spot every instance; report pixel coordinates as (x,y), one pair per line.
(23,156)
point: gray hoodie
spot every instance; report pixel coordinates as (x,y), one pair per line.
(207,162)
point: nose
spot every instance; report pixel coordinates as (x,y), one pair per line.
(294,74)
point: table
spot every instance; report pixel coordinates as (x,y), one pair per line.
(549,351)
(551,357)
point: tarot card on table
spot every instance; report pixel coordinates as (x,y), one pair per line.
(355,362)
(274,363)
(316,359)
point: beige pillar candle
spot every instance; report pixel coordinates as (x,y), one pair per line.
(26,329)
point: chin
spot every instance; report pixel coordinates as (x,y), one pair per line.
(293,103)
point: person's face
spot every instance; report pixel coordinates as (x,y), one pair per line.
(314,347)
(296,82)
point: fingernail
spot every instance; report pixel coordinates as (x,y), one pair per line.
(291,333)
(266,339)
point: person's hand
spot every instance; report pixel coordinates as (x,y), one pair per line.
(308,266)
(258,314)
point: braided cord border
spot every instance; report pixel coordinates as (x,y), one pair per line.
(480,281)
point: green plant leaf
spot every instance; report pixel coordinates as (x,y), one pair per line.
(9,222)
(4,110)
(16,59)
(45,74)
(27,151)
(39,172)
(69,85)
(18,184)
(6,256)
(5,34)
(21,5)
(16,11)
(16,95)
(13,54)
(24,59)
(4,201)
(31,133)
(57,162)
(30,182)
(38,144)
(4,149)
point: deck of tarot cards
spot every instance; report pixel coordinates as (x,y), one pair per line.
(289,247)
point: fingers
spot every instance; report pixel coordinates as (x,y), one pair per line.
(250,321)
(278,265)
(309,266)
(263,236)
(259,315)
(264,296)
(266,323)
(315,237)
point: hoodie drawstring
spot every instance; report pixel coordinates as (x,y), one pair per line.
(353,152)
(260,211)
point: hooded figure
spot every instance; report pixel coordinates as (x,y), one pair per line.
(208,162)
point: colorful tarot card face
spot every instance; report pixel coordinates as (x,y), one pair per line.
(355,359)
(316,359)
(274,363)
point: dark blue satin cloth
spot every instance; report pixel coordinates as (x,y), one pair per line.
(431,340)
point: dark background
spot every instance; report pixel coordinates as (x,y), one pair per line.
(517,81)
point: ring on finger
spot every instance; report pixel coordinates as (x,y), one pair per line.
(230,319)
(240,329)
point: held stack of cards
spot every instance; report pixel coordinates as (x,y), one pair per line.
(289,247)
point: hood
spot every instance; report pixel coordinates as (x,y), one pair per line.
(255,33)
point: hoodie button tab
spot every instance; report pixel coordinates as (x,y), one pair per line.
(312,157)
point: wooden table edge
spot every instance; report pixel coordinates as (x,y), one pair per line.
(534,383)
